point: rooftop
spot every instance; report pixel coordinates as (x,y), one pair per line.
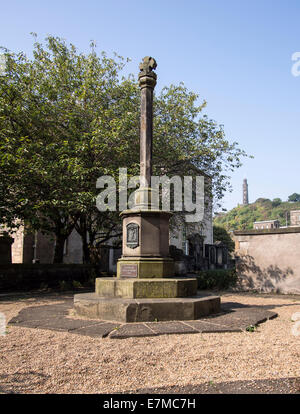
(280,230)
(265,221)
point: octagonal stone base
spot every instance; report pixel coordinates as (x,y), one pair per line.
(145,310)
(146,288)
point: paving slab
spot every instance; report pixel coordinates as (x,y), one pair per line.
(228,320)
(41,312)
(55,317)
(173,327)
(58,323)
(242,318)
(132,330)
(207,327)
(260,314)
(29,324)
(231,320)
(67,324)
(98,330)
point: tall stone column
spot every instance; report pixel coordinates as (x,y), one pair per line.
(147,82)
(145,252)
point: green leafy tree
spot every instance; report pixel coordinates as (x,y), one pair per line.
(67,118)
(295,197)
(222,235)
(62,124)
(276,202)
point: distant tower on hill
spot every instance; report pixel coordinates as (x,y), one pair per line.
(245,192)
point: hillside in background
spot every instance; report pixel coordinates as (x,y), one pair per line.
(242,217)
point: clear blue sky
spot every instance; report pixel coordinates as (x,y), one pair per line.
(235,54)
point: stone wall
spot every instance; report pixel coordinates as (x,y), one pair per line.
(269,260)
(22,277)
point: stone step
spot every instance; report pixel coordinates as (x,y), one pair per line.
(146,288)
(145,310)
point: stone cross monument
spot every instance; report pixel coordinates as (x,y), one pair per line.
(145,288)
(145,251)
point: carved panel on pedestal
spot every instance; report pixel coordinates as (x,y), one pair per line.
(132,235)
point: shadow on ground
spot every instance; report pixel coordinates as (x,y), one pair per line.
(22,382)
(266,386)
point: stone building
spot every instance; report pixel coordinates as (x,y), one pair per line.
(295,217)
(266,224)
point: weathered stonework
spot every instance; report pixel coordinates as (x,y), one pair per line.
(145,310)
(146,288)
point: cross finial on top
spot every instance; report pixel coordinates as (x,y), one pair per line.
(147,66)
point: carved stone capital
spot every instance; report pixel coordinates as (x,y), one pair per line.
(147,78)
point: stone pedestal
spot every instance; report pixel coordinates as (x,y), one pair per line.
(145,245)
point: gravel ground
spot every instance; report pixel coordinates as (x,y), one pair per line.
(40,361)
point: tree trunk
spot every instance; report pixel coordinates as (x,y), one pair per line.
(85,249)
(81,228)
(59,248)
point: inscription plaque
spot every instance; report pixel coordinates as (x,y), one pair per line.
(129,270)
(132,235)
